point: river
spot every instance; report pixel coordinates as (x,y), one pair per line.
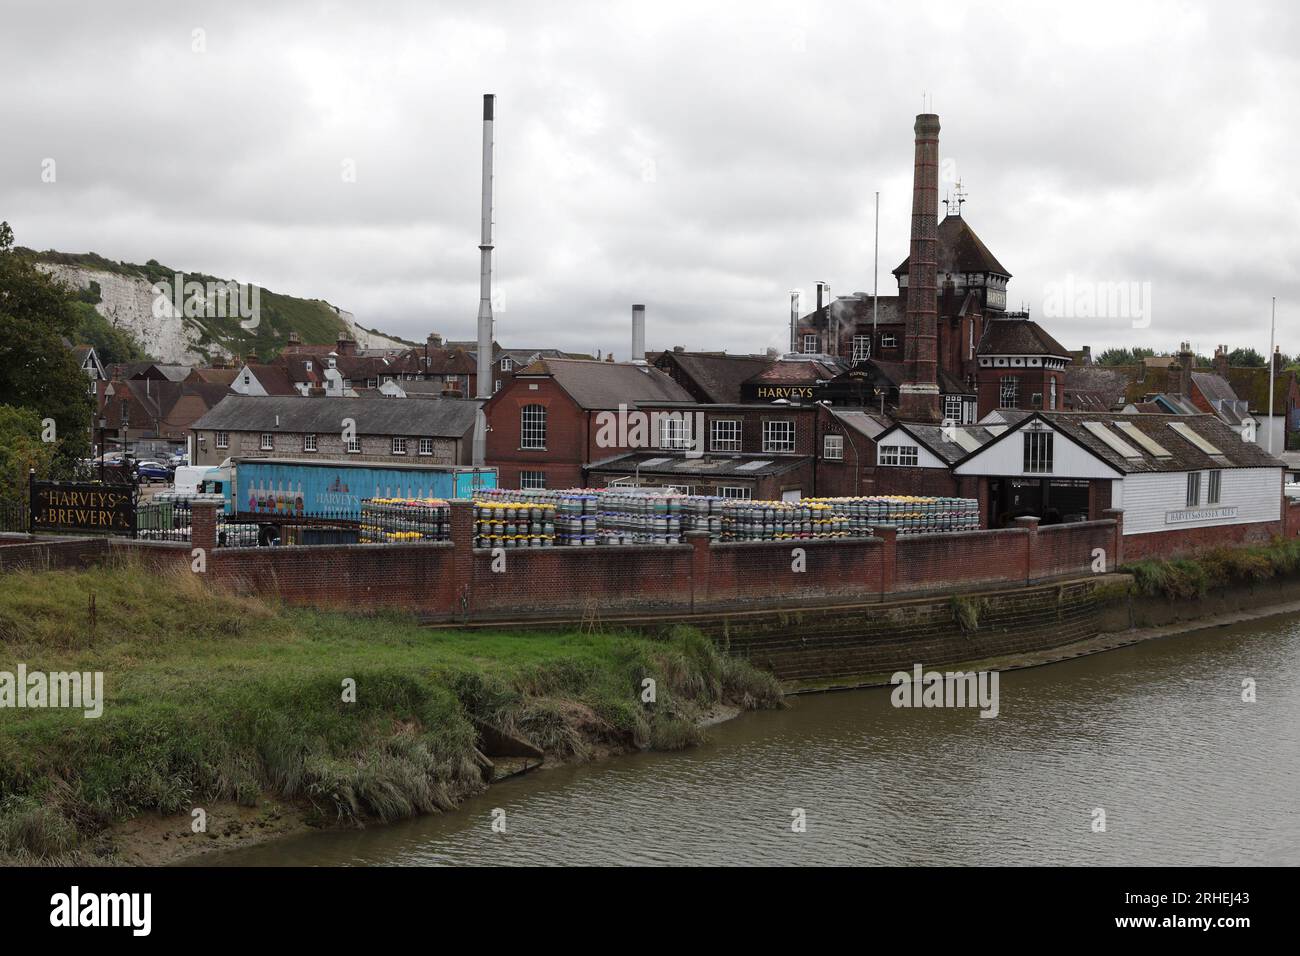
(1156,735)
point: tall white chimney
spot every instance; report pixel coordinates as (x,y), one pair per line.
(638,333)
(483,389)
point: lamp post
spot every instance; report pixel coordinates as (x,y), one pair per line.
(103,425)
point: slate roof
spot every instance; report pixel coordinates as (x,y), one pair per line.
(718,377)
(865,423)
(856,310)
(960,250)
(606,385)
(443,418)
(1019,337)
(274,378)
(1184,455)
(785,371)
(936,438)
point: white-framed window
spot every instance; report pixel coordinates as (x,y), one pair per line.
(1008,391)
(674,432)
(1036,399)
(1038,452)
(353,445)
(952,408)
(833,447)
(497,387)
(268,442)
(1193,489)
(532,426)
(426,446)
(307,365)
(532,479)
(453,381)
(373,382)
(889,340)
(333,362)
(734,491)
(399,445)
(861,348)
(810,345)
(248,379)
(223,439)
(506,365)
(1213,487)
(1051,395)
(347,383)
(724,434)
(308,442)
(901,455)
(778,436)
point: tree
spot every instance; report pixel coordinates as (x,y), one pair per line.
(1246,358)
(37,370)
(21,451)
(1132,356)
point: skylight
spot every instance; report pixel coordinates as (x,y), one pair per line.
(1185,430)
(1152,446)
(1113,441)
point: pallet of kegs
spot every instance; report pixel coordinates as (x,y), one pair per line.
(514,524)
(633,516)
(404,520)
(703,513)
(910,514)
(781,521)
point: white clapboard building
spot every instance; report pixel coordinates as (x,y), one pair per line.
(1166,472)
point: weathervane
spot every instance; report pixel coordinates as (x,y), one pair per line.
(960,195)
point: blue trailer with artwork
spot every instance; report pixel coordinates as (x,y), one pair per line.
(297,491)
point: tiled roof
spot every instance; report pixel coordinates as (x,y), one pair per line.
(719,377)
(443,418)
(1019,337)
(606,385)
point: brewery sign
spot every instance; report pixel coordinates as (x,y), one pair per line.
(82,506)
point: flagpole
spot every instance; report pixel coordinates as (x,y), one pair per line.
(875,279)
(1272,334)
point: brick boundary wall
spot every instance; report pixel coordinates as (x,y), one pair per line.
(452,581)
(50,554)
(1185,541)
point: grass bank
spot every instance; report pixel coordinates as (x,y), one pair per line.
(216,698)
(1194,577)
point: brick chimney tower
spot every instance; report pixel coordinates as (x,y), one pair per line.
(918,399)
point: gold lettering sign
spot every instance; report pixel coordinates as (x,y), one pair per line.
(81,507)
(785,391)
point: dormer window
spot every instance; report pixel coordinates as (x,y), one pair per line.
(507,364)
(307,365)
(332,361)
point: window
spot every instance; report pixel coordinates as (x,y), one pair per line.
(453,381)
(307,365)
(674,431)
(223,439)
(374,382)
(725,434)
(333,363)
(889,341)
(1008,392)
(308,442)
(1038,452)
(1051,396)
(268,441)
(532,426)
(1036,399)
(507,365)
(833,447)
(532,479)
(1213,486)
(347,383)
(497,387)
(899,455)
(861,348)
(734,491)
(353,445)
(810,344)
(426,446)
(399,445)
(247,378)
(1193,489)
(952,408)
(778,436)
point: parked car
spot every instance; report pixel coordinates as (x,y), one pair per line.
(178,458)
(153,471)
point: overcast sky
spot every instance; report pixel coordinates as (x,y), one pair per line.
(703,158)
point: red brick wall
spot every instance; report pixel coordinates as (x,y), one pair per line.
(1067,548)
(1292,518)
(846,570)
(1169,544)
(931,562)
(44,555)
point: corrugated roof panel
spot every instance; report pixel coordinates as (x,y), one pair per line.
(1186,431)
(1113,441)
(1142,438)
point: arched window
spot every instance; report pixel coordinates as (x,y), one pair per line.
(532,426)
